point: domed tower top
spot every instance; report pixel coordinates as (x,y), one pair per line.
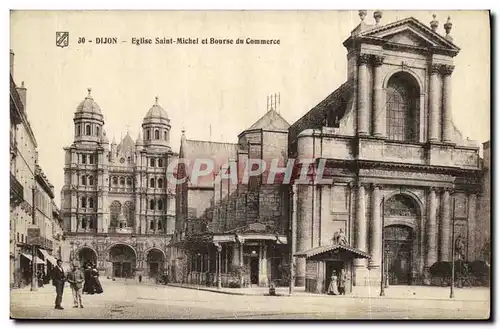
(88,120)
(156,113)
(156,127)
(88,105)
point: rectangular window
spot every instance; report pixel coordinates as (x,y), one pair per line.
(84,158)
(91,159)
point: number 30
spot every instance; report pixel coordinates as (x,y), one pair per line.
(81,40)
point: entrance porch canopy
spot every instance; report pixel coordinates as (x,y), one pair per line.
(332,252)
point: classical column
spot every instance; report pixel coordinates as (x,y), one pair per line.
(431,230)
(236,255)
(363,61)
(433,123)
(376,231)
(447,71)
(471,246)
(445,229)
(378,106)
(360,224)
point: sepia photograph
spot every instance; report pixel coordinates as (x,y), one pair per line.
(250,165)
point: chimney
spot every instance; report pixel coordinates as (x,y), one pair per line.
(11,63)
(22,94)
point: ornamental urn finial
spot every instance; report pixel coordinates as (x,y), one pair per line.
(377,15)
(447,27)
(362,14)
(434,23)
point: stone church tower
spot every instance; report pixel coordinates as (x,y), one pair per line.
(118,209)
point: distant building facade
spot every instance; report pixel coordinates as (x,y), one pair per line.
(31,195)
(117,207)
(228,223)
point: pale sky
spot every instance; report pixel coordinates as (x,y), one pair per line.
(219,86)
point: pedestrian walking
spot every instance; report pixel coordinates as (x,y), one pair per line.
(94,275)
(88,286)
(75,279)
(58,278)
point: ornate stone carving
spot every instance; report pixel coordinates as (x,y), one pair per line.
(460,247)
(364,59)
(340,238)
(435,68)
(447,69)
(378,60)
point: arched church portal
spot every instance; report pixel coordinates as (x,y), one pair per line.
(156,261)
(400,244)
(86,256)
(123,258)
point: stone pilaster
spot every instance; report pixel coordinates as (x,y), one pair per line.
(471,222)
(434,103)
(378,105)
(363,61)
(447,71)
(376,230)
(445,229)
(431,230)
(360,224)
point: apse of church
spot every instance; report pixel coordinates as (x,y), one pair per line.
(117,206)
(402,173)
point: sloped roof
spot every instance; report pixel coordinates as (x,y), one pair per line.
(126,145)
(319,251)
(333,106)
(217,152)
(271,120)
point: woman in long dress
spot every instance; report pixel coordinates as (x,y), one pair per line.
(87,285)
(333,287)
(95,278)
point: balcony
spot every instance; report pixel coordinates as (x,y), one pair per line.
(121,230)
(16,191)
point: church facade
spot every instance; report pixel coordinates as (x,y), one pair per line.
(118,209)
(404,180)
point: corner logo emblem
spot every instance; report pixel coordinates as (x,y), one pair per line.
(62,39)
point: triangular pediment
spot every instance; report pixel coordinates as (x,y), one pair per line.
(410,32)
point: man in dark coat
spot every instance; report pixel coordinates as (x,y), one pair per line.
(58,278)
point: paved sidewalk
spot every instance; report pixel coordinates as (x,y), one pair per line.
(395,292)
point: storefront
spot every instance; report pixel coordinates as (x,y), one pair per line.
(250,257)
(322,262)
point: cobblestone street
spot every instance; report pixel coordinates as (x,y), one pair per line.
(131,300)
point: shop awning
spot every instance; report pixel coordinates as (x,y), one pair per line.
(48,257)
(332,251)
(37,260)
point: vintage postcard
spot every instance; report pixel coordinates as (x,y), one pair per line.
(250,164)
